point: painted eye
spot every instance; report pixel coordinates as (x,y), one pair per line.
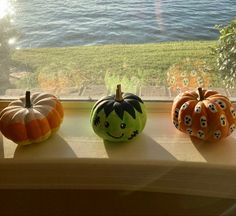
(122,125)
(106,124)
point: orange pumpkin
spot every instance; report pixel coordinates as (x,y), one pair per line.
(31,119)
(206,115)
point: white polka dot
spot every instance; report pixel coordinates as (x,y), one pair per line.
(212,108)
(232,128)
(188,120)
(200,134)
(223,120)
(197,109)
(184,106)
(176,115)
(189,131)
(176,124)
(233,112)
(221,104)
(203,121)
(217,134)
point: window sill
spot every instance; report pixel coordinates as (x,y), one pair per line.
(161,159)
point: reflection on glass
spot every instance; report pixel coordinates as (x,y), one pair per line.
(6,41)
(84,48)
(4,8)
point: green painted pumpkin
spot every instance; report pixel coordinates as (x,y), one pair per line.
(118,118)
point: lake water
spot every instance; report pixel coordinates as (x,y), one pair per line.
(58,23)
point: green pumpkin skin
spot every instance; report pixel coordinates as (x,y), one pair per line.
(112,127)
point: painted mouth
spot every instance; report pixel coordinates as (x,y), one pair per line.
(135,133)
(115,136)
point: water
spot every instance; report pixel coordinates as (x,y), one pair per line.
(58,23)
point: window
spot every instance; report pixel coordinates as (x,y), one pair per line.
(82,49)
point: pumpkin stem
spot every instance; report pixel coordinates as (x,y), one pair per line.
(27,100)
(118,97)
(201,95)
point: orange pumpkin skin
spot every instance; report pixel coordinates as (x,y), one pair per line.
(210,118)
(26,125)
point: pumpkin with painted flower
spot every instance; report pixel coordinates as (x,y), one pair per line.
(32,118)
(119,117)
(205,114)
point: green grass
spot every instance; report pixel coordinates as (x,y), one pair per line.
(81,65)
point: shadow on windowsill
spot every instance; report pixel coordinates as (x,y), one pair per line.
(1,146)
(54,147)
(222,152)
(142,147)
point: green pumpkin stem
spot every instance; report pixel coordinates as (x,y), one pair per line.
(27,100)
(201,95)
(119,97)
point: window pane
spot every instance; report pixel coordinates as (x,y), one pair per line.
(82,49)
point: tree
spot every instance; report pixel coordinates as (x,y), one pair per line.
(226,54)
(6,33)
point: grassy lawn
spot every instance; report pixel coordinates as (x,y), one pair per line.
(76,66)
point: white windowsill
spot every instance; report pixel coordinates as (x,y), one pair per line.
(161,159)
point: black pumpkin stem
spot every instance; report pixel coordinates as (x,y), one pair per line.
(27,100)
(201,95)
(119,97)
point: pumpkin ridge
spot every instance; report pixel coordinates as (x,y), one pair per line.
(135,104)
(41,123)
(59,109)
(29,141)
(14,131)
(24,122)
(101,105)
(108,107)
(8,110)
(105,98)
(128,108)
(132,96)
(221,97)
(119,108)
(33,126)
(18,103)
(51,119)
(210,93)
(36,97)
(45,102)
(19,113)
(43,109)
(186,98)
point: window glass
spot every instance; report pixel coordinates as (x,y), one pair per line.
(81,49)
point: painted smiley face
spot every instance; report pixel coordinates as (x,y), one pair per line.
(119,117)
(122,126)
(114,129)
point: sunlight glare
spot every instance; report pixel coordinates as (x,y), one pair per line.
(5,8)
(12,41)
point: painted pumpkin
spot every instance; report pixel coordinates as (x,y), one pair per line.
(31,119)
(119,117)
(189,74)
(206,115)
